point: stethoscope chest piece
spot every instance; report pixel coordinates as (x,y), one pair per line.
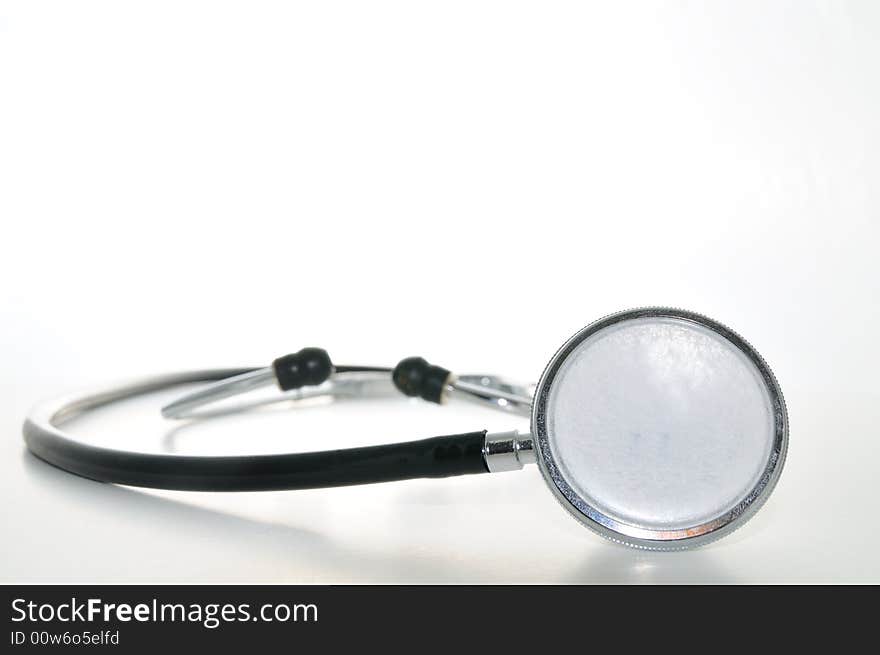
(659,428)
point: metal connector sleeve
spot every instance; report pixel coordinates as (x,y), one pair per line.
(508,451)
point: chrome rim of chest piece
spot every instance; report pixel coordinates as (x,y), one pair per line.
(659,428)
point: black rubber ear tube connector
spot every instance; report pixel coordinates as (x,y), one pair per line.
(309,366)
(414,376)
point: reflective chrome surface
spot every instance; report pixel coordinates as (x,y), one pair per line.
(492,390)
(568,487)
(220,390)
(508,451)
(498,392)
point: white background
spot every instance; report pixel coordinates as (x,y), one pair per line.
(189,184)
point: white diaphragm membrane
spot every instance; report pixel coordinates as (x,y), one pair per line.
(658,427)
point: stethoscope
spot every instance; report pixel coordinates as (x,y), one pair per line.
(657,428)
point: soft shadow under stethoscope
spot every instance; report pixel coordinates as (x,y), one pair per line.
(308,548)
(609,564)
(612,565)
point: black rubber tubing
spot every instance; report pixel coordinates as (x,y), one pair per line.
(435,457)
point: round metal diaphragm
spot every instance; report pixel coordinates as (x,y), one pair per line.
(659,428)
